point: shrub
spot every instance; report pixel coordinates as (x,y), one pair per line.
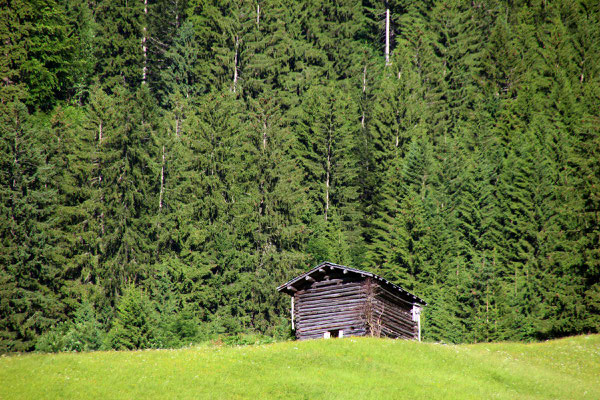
(84,333)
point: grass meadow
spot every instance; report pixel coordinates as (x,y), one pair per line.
(349,368)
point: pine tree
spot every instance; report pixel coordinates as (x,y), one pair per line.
(127,182)
(199,199)
(164,20)
(86,332)
(273,212)
(399,225)
(83,28)
(30,275)
(207,151)
(328,150)
(453,71)
(118,45)
(395,121)
(40,50)
(134,323)
(178,77)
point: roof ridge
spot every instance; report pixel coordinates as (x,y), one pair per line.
(354,270)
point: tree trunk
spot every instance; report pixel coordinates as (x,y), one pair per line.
(144,50)
(364,85)
(387,36)
(235,62)
(264,135)
(162,180)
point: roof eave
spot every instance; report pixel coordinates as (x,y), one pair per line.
(285,288)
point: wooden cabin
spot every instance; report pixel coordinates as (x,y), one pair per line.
(332,300)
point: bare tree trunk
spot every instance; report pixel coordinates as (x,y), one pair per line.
(364,85)
(144,50)
(364,89)
(235,61)
(258,16)
(487,303)
(370,315)
(162,180)
(264,135)
(387,35)
(292,310)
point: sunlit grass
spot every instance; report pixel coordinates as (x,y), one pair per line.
(350,368)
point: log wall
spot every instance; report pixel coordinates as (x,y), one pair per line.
(359,306)
(334,304)
(393,315)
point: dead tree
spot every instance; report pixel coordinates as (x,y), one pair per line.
(371,315)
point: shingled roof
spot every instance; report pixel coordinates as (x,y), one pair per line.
(288,287)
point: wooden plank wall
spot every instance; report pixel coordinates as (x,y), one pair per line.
(393,315)
(337,303)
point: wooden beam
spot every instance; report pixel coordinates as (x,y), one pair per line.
(291,289)
(309,278)
(292,310)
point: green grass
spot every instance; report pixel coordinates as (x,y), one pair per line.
(350,368)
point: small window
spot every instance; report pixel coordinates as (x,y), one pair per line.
(334,333)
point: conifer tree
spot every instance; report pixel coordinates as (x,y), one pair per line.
(273,211)
(133,324)
(118,45)
(30,273)
(328,153)
(163,21)
(178,76)
(127,184)
(40,50)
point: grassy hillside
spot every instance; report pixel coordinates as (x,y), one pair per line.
(351,368)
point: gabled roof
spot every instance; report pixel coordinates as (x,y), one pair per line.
(288,286)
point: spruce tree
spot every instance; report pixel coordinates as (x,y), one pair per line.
(40,50)
(118,45)
(134,322)
(31,271)
(126,185)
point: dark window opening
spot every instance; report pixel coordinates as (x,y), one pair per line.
(334,333)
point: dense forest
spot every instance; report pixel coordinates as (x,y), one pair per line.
(165,164)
